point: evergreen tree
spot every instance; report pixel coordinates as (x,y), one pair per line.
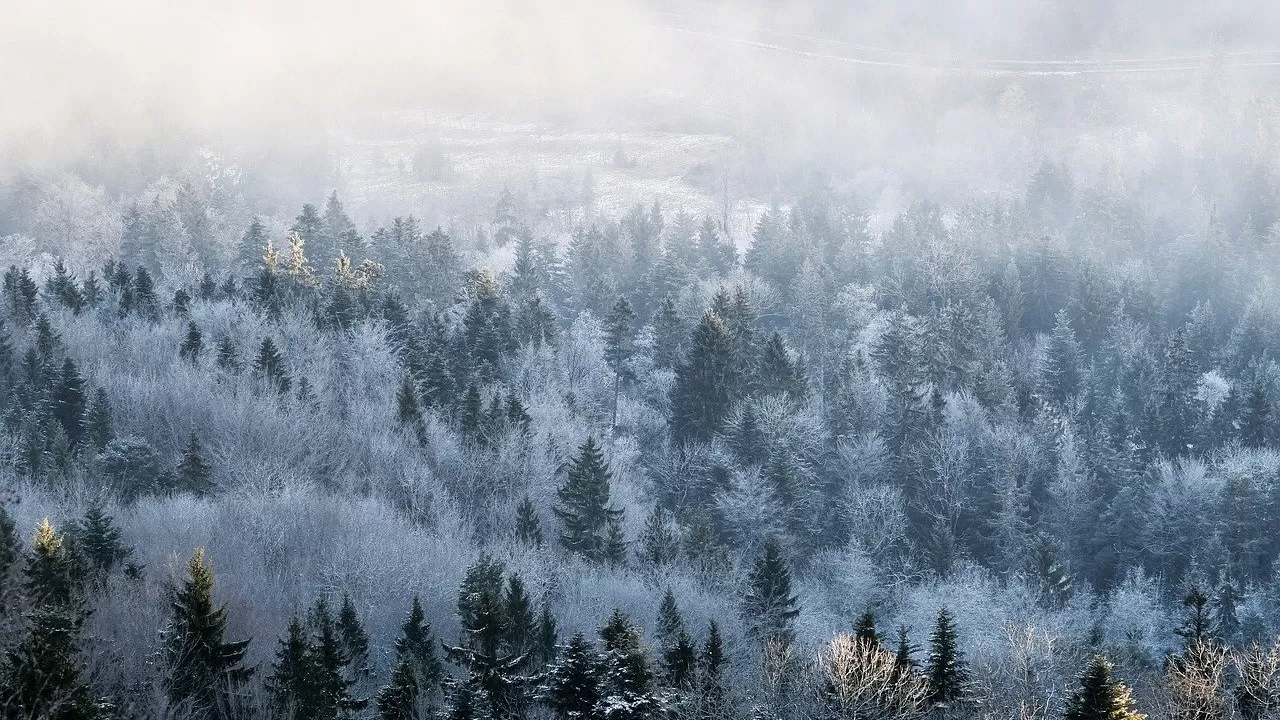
(865,629)
(679,658)
(192,344)
(547,635)
(769,608)
(97,538)
(70,401)
(1100,696)
(705,382)
(749,442)
(228,358)
(713,698)
(619,340)
(1060,374)
(902,657)
(659,545)
(946,671)
(408,412)
(669,332)
(52,577)
(528,526)
(289,691)
(203,671)
(10,552)
(353,642)
(195,473)
(584,508)
(615,544)
(41,677)
(270,367)
(1255,418)
(415,677)
(522,628)
(1197,626)
(628,691)
(144,295)
(778,373)
(492,672)
(572,685)
(330,683)
(249,250)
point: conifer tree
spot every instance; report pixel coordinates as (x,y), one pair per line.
(946,671)
(330,682)
(902,658)
(52,577)
(679,658)
(192,344)
(668,346)
(705,382)
(195,473)
(713,698)
(98,539)
(249,250)
(70,401)
(619,332)
(269,365)
(865,629)
(10,552)
(627,690)
(353,642)
(777,372)
(415,677)
(572,685)
(1255,418)
(144,295)
(749,442)
(547,635)
(528,526)
(769,608)
(41,677)
(228,358)
(203,671)
(408,412)
(1197,625)
(1060,374)
(289,692)
(659,545)
(521,630)
(492,671)
(1100,696)
(584,510)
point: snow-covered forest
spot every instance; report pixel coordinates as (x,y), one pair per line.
(431,416)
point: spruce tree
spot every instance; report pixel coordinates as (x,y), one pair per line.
(144,295)
(628,690)
(865,629)
(705,382)
(547,635)
(228,358)
(289,692)
(668,346)
(675,647)
(203,671)
(777,372)
(353,642)
(659,545)
(521,630)
(1197,625)
(195,473)
(331,683)
(52,575)
(1255,418)
(584,510)
(97,538)
(41,677)
(98,426)
(902,657)
(713,698)
(619,342)
(10,553)
(572,685)
(270,367)
(70,402)
(415,676)
(1100,696)
(192,344)
(408,412)
(945,671)
(769,608)
(528,526)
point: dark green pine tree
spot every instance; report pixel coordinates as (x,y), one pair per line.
(619,344)
(777,372)
(584,508)
(522,625)
(669,334)
(41,677)
(204,673)
(289,691)
(492,672)
(572,685)
(330,682)
(615,544)
(270,366)
(713,697)
(310,226)
(675,647)
(528,526)
(769,608)
(181,303)
(902,657)
(1255,417)
(659,545)
(864,630)
(628,690)
(97,538)
(195,473)
(1197,625)
(144,295)
(70,401)
(249,250)
(472,417)
(228,358)
(705,382)
(353,642)
(192,344)
(408,411)
(1225,617)
(945,670)
(749,442)
(1100,696)
(413,691)
(10,553)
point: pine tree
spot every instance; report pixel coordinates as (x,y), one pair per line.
(353,642)
(521,630)
(10,552)
(528,526)
(195,473)
(705,382)
(144,295)
(1255,418)
(946,671)
(249,251)
(713,698)
(865,629)
(749,442)
(619,333)
(98,539)
(572,685)
(679,659)
(52,577)
(1060,374)
(269,364)
(1101,696)
(69,402)
(330,681)
(492,672)
(204,672)
(902,658)
(408,412)
(192,344)
(228,359)
(1197,626)
(777,372)
(659,545)
(628,691)
(41,677)
(584,508)
(668,346)
(289,691)
(769,608)
(415,677)
(615,544)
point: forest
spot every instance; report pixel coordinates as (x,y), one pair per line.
(639,360)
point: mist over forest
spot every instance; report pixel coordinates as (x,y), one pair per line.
(625,360)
